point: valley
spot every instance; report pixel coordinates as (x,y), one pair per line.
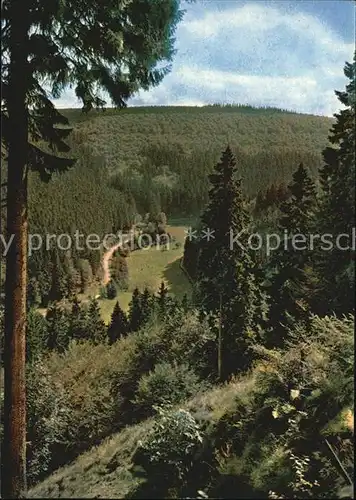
(225,367)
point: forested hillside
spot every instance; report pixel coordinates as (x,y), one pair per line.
(162,156)
(148,160)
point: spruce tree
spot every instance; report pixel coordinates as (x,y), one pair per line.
(58,335)
(37,334)
(167,305)
(59,286)
(111,291)
(225,282)
(135,311)
(298,212)
(96,329)
(224,217)
(147,305)
(288,291)
(119,324)
(336,267)
(78,321)
(190,257)
(261,303)
(116,46)
(95,259)
(86,274)
(72,275)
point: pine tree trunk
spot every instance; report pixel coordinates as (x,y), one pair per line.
(13,483)
(220,341)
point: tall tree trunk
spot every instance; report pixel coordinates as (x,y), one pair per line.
(13,483)
(220,340)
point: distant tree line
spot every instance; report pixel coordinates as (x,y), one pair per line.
(175,181)
(72,320)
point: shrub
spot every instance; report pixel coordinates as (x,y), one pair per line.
(189,339)
(167,454)
(47,417)
(166,384)
(120,271)
(70,401)
(182,338)
(301,396)
(111,291)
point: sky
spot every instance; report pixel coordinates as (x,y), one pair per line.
(284,53)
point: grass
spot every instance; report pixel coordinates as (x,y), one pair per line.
(105,470)
(176,222)
(148,268)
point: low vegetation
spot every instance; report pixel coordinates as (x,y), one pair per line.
(264,431)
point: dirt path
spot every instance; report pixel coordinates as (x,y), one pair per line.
(106,263)
(108,256)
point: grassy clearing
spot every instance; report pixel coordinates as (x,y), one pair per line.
(148,268)
(183,222)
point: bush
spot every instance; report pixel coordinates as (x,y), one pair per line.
(189,339)
(181,339)
(166,384)
(167,454)
(301,395)
(120,271)
(80,381)
(111,291)
(47,417)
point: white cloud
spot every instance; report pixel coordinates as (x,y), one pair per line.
(257,54)
(219,86)
(68,100)
(221,79)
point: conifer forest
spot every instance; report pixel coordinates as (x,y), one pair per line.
(177,274)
